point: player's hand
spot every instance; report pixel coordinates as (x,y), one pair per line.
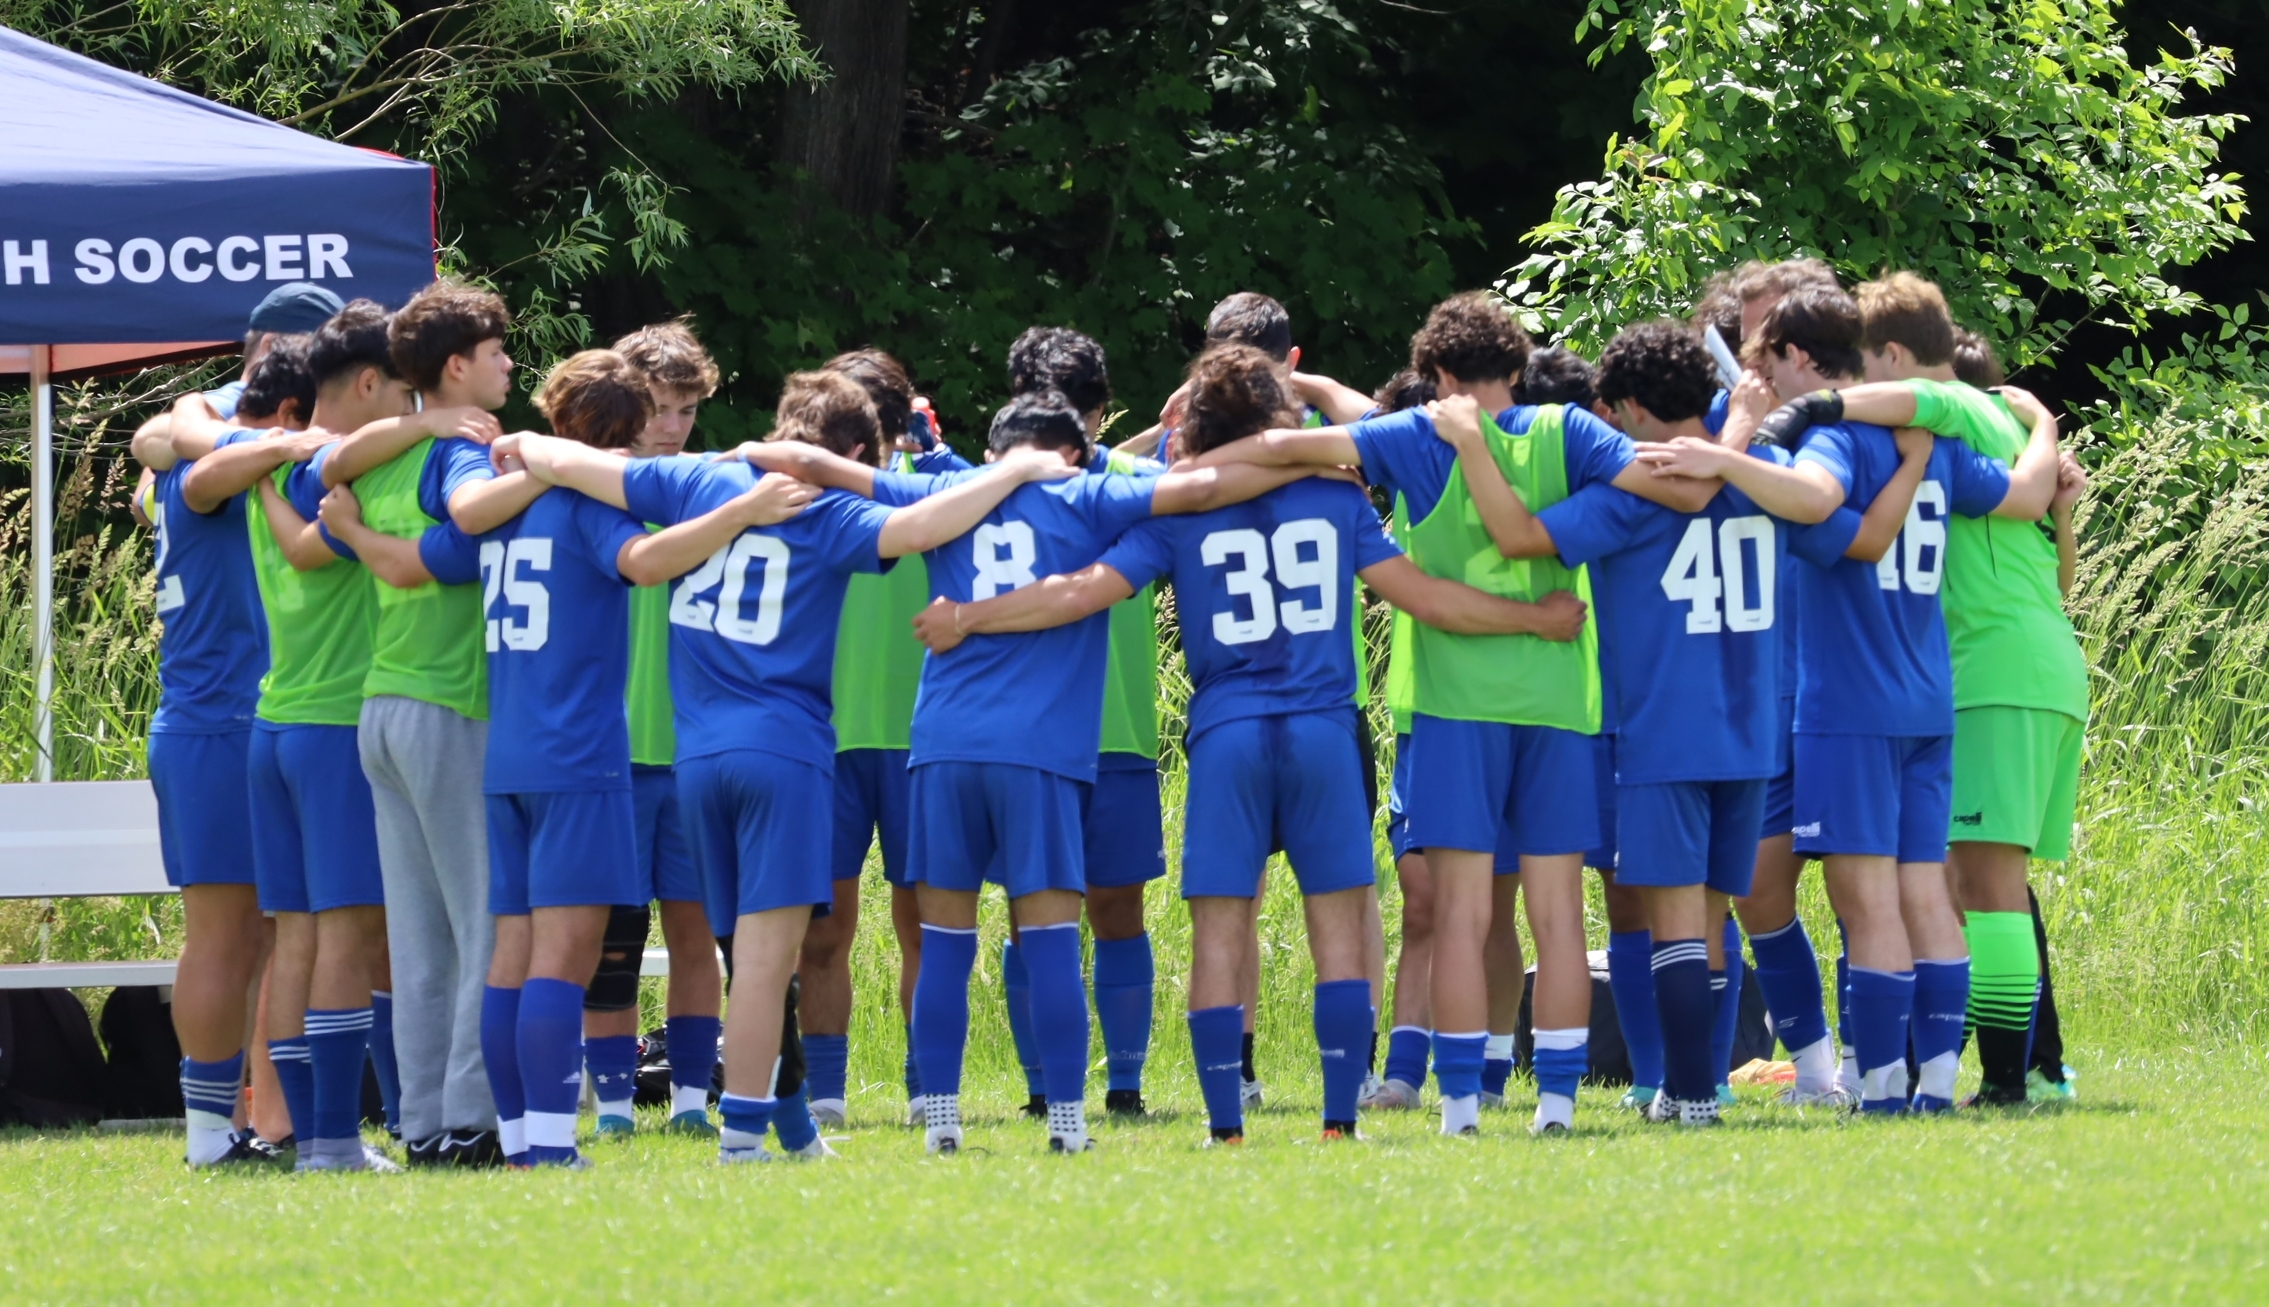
(464,421)
(774,498)
(340,510)
(790,456)
(937,627)
(1687,456)
(2024,404)
(300,446)
(1457,420)
(1171,413)
(1562,616)
(2071,482)
(504,453)
(1745,408)
(1312,387)
(1032,463)
(1914,442)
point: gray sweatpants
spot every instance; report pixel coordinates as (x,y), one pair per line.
(424,763)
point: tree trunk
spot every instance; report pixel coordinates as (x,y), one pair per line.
(843,133)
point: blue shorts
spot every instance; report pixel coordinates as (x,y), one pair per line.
(204,814)
(1780,791)
(1689,833)
(1398,800)
(1517,790)
(870,797)
(1602,858)
(1881,795)
(572,849)
(979,821)
(1258,784)
(314,831)
(759,841)
(1124,824)
(665,864)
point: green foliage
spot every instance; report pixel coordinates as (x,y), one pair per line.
(2009,151)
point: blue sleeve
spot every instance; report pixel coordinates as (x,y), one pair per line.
(453,462)
(1374,544)
(1115,503)
(941,460)
(1594,522)
(1144,553)
(304,491)
(1596,453)
(605,530)
(226,399)
(1976,484)
(898,489)
(657,488)
(1830,447)
(1389,449)
(1713,421)
(453,557)
(1823,544)
(851,532)
(236,437)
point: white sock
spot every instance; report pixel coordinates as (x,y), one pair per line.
(512,1136)
(1068,1122)
(549,1129)
(1555,1109)
(1847,1069)
(1886,1081)
(1498,1048)
(738,1141)
(941,1111)
(209,1137)
(689,1098)
(1937,1078)
(1461,1114)
(622,1107)
(1815,1067)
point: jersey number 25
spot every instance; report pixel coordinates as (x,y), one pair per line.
(502,573)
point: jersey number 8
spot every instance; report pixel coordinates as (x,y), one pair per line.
(1250,580)
(1699,576)
(728,616)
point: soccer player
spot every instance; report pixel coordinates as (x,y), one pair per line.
(314,840)
(1274,745)
(1688,610)
(2019,680)
(211,656)
(679,375)
(424,723)
(753,634)
(1501,762)
(1874,712)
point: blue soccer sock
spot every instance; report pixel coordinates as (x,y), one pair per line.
(295,1075)
(941,1008)
(827,1060)
(1630,981)
(1882,1009)
(1059,1009)
(1843,985)
(1789,972)
(693,1061)
(551,1066)
(1406,1054)
(912,1071)
(1562,1057)
(338,1044)
(208,1100)
(1016,992)
(1941,1005)
(382,1062)
(1496,1064)
(746,1120)
(1215,1034)
(791,1120)
(500,1052)
(1457,1069)
(1727,1018)
(612,1061)
(1683,1004)
(1125,977)
(1343,1025)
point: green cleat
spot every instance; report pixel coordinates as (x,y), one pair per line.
(2040,1089)
(616,1127)
(693,1123)
(1638,1098)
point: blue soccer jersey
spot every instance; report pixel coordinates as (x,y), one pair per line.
(214,649)
(752,631)
(1688,607)
(1401,453)
(1266,593)
(1872,655)
(558,637)
(1032,699)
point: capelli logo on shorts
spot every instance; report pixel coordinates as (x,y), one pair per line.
(1969,818)
(1811,832)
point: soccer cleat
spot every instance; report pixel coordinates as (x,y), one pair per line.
(1394,1096)
(1660,1109)
(944,1140)
(815,1151)
(1555,1115)
(1124,1102)
(2040,1089)
(1036,1107)
(742,1156)
(1704,1113)
(1224,1139)
(1070,1144)
(472,1149)
(371,1160)
(621,1127)
(828,1112)
(1834,1096)
(1930,1104)
(1545,1129)
(1341,1131)
(1638,1098)
(917,1110)
(422,1152)
(248,1149)
(1726,1098)
(1250,1095)
(691,1122)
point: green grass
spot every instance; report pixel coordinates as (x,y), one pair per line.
(2153,1188)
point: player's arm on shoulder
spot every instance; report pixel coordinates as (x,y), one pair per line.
(2071,483)
(1879,526)
(1458,608)
(1512,528)
(300,540)
(375,444)
(1195,489)
(808,463)
(236,469)
(1048,602)
(674,551)
(1803,493)
(1884,403)
(486,504)
(956,511)
(1337,402)
(554,461)
(2033,481)
(152,445)
(390,558)
(1287,447)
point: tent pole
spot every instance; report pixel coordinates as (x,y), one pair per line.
(43,562)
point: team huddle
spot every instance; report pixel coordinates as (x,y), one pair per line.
(456,708)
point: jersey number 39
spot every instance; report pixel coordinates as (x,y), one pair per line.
(1249,580)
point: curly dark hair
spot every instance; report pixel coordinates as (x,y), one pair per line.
(355,338)
(441,322)
(1974,361)
(1234,393)
(1040,417)
(1062,360)
(1472,337)
(597,397)
(1661,366)
(1405,389)
(887,385)
(281,374)
(1823,321)
(1556,375)
(1251,318)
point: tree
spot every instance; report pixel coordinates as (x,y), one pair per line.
(2010,151)
(843,132)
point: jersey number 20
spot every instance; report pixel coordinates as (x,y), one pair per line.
(1249,580)
(728,616)
(501,566)
(1712,565)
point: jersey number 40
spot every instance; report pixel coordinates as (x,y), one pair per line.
(1249,580)
(729,616)
(1709,566)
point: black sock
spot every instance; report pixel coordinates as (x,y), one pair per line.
(1371,1064)
(1249,1059)
(2048,1033)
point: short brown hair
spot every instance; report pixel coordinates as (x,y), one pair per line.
(1718,306)
(1251,318)
(1904,309)
(886,383)
(1755,280)
(1473,337)
(1820,320)
(596,397)
(670,357)
(829,410)
(1974,360)
(439,323)
(1233,393)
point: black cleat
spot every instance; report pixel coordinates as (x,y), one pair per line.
(471,1149)
(249,1151)
(1036,1107)
(1124,1102)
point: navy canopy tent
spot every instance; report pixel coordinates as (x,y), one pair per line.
(139,223)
